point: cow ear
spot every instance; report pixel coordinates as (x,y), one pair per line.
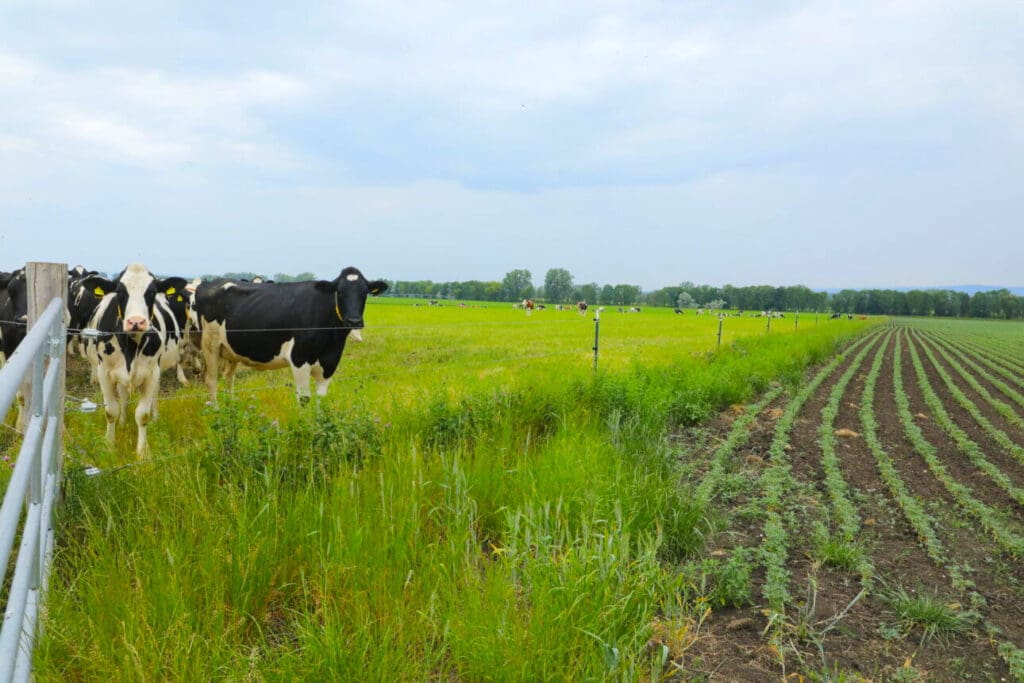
(98,285)
(171,285)
(378,287)
(4,279)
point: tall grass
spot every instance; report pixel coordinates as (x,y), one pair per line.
(445,512)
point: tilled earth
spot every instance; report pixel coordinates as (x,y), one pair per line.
(832,630)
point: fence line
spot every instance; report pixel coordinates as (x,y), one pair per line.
(32,490)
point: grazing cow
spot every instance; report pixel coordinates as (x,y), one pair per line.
(528,305)
(138,337)
(634,309)
(679,311)
(835,316)
(581,307)
(301,325)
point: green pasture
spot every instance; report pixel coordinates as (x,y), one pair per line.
(471,501)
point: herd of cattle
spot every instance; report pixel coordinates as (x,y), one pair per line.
(135,326)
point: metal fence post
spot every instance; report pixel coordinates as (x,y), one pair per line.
(796,320)
(719,332)
(597,333)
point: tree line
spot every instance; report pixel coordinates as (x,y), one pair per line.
(559,286)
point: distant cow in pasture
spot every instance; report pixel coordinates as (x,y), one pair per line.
(581,307)
(528,305)
(138,337)
(835,316)
(678,311)
(301,325)
(634,309)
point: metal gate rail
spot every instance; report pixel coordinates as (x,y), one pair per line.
(28,502)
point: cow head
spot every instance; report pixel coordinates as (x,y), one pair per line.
(135,291)
(350,291)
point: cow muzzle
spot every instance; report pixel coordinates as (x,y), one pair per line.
(136,324)
(354,324)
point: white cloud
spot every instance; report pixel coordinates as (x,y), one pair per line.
(147,117)
(122,140)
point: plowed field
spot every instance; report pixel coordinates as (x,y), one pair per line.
(872,522)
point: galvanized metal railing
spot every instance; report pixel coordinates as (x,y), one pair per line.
(28,502)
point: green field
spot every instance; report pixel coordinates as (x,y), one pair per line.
(471,501)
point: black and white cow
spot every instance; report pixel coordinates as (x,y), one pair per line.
(81,304)
(301,325)
(13,325)
(138,337)
(13,311)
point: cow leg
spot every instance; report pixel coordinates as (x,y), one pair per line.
(146,410)
(300,374)
(182,379)
(122,400)
(211,357)
(321,384)
(111,401)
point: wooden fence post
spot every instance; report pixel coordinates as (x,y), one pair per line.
(46,282)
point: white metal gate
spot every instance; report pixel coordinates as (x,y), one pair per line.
(34,485)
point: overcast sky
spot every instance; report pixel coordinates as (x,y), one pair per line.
(830,144)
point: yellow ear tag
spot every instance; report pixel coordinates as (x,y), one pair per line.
(181,298)
(98,291)
(171,290)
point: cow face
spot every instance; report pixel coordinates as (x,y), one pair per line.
(135,291)
(350,292)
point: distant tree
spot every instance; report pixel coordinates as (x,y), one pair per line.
(586,293)
(558,286)
(301,277)
(843,301)
(981,304)
(625,295)
(607,295)
(715,304)
(685,300)
(517,285)
(493,291)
